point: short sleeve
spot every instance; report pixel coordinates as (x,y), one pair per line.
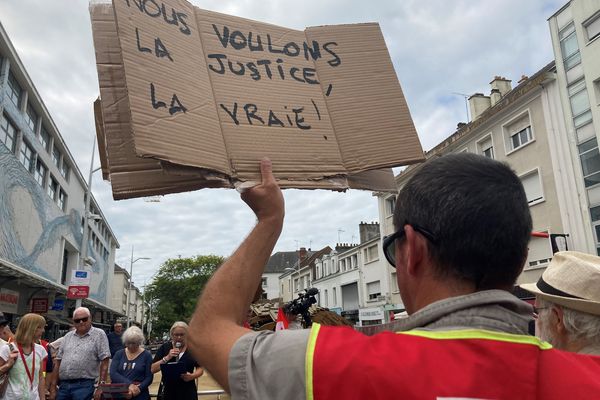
(41,351)
(260,357)
(160,353)
(103,348)
(4,352)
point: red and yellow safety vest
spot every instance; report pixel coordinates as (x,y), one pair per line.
(458,364)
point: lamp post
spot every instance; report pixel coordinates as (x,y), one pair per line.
(130,283)
(86,217)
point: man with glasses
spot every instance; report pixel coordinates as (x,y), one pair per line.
(82,358)
(462,229)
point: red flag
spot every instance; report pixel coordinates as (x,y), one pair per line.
(282,322)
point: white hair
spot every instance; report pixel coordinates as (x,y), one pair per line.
(178,324)
(579,325)
(84,309)
(133,335)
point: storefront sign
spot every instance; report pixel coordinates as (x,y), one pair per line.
(9,301)
(370,314)
(39,305)
(59,305)
(78,292)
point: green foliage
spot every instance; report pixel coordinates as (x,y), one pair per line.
(174,291)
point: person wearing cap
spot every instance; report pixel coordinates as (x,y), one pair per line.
(462,230)
(568,302)
(5,333)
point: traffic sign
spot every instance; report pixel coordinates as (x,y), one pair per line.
(80,277)
(78,292)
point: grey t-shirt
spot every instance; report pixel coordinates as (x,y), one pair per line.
(80,356)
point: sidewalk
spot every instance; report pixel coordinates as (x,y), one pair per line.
(205,382)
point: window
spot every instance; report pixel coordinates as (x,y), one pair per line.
(31,117)
(592,26)
(62,200)
(569,46)
(521,137)
(533,187)
(390,205)
(486,148)
(64,170)
(517,132)
(334,302)
(373,290)
(44,138)
(394,282)
(354,260)
(8,133)
(590,162)
(40,172)
(580,103)
(326,299)
(14,90)
(56,156)
(27,156)
(371,253)
(52,188)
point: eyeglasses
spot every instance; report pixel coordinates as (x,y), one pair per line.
(389,250)
(78,320)
(536,311)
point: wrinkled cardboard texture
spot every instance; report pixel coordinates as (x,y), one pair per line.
(174,118)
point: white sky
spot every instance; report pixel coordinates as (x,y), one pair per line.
(438,47)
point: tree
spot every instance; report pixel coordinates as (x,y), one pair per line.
(173,292)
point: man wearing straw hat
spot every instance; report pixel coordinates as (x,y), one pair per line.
(568,302)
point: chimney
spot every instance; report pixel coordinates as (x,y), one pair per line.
(342,247)
(368,231)
(502,84)
(460,125)
(478,103)
(495,96)
(523,79)
(302,254)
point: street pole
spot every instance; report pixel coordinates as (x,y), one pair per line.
(129,290)
(84,240)
(130,284)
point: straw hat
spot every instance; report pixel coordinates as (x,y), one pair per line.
(572,280)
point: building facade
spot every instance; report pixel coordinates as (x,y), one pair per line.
(42,206)
(575,33)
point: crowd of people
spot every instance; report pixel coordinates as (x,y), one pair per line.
(86,363)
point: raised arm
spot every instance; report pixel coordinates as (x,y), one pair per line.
(223,305)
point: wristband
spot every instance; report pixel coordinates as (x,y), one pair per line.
(164,360)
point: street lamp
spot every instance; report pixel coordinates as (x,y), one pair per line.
(86,217)
(130,282)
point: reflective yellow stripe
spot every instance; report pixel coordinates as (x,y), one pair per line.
(480,334)
(310,353)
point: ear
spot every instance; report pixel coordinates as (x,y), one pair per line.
(416,251)
(558,319)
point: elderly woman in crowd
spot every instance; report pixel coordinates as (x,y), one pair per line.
(175,351)
(132,364)
(25,376)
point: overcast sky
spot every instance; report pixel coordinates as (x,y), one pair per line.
(439,47)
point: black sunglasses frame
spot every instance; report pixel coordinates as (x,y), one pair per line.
(79,320)
(388,242)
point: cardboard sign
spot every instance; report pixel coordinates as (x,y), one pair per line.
(78,292)
(192,98)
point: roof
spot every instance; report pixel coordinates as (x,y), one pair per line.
(521,89)
(281,260)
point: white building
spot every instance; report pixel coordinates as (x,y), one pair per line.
(42,204)
(575,32)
